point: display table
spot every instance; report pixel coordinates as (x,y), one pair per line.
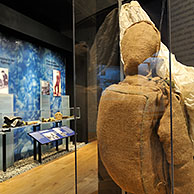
(50,135)
(4,131)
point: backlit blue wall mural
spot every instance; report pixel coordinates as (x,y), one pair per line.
(28,64)
(23,144)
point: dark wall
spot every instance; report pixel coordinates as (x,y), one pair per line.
(182,13)
(154,10)
(25,25)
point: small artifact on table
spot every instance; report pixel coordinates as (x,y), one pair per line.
(17,123)
(9,120)
(68,117)
(12,121)
(45,120)
(32,122)
(51,119)
(5,126)
(65,117)
(58,116)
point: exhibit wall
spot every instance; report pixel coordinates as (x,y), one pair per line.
(27,65)
(182,30)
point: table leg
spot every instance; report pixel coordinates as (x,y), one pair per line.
(34,130)
(39,153)
(57,145)
(4,151)
(67,144)
(58,124)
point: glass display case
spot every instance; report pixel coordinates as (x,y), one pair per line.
(115,76)
(141,92)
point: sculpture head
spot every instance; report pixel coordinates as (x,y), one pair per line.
(140,41)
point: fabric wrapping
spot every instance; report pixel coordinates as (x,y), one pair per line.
(128,142)
(182,145)
(133,131)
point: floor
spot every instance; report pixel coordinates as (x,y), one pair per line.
(57,177)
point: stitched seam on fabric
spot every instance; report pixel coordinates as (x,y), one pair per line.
(141,149)
(132,93)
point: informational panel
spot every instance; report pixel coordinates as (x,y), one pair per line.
(65,108)
(45,110)
(183,30)
(45,106)
(6,107)
(49,135)
(65,105)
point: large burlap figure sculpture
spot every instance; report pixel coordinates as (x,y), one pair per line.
(133,126)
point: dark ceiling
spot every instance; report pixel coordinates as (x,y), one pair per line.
(58,14)
(54,14)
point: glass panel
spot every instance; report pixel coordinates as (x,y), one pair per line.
(181,17)
(97,67)
(133,118)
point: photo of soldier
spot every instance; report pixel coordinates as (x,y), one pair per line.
(3,81)
(56,83)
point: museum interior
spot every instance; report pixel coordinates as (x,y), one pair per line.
(96,97)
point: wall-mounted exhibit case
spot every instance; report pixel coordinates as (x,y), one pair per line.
(33,87)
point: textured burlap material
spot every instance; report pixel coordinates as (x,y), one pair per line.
(140,41)
(127,126)
(182,145)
